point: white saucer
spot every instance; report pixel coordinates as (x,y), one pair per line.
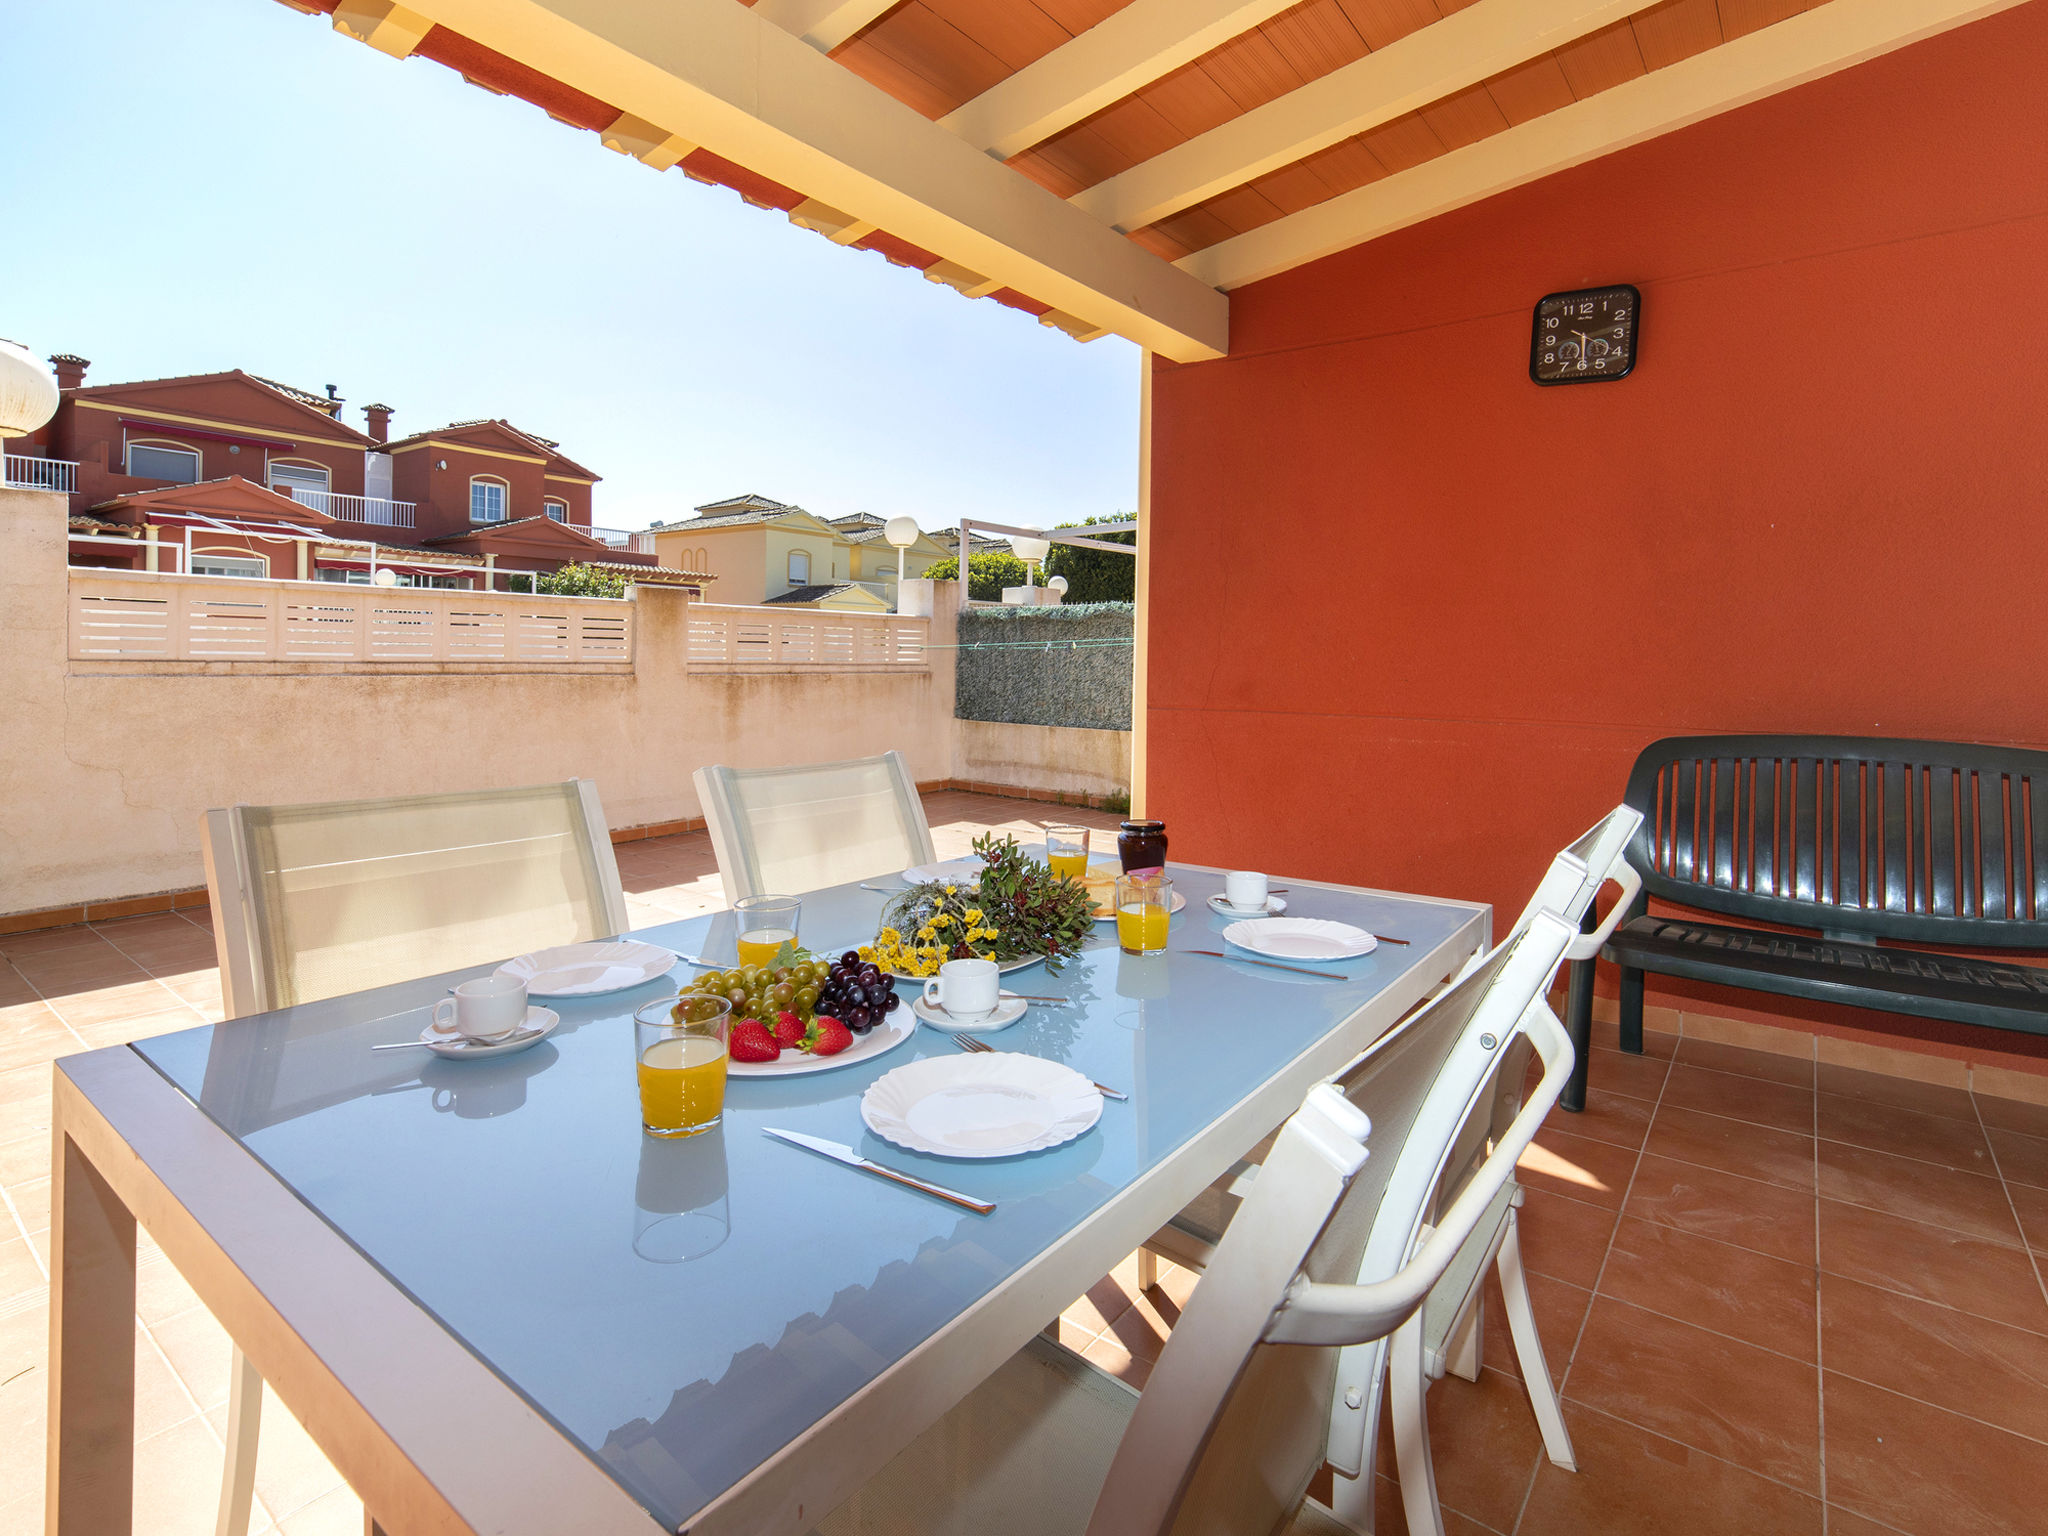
(1221,906)
(453,1044)
(585,970)
(989,1104)
(1300,938)
(1005,1013)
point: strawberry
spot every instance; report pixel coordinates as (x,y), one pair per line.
(751,1041)
(827,1037)
(788,1030)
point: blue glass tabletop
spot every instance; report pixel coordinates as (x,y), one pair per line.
(684,1309)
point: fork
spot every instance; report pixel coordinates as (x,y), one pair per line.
(969,1043)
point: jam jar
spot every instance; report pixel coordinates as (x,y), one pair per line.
(1142,845)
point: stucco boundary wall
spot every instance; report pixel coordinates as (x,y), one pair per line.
(1060,763)
(105,770)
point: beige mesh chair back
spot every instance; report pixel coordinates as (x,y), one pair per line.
(311,901)
(784,831)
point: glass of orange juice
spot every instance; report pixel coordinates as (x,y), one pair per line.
(765,924)
(1143,906)
(680,1053)
(1066,852)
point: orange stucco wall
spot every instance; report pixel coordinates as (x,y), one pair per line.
(1413,616)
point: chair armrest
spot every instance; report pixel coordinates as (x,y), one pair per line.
(1587,946)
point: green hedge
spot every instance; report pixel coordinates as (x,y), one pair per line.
(1022,667)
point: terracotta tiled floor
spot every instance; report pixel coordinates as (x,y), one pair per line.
(1777,1302)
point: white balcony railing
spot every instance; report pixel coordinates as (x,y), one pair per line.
(153,616)
(619,538)
(27,474)
(357,509)
(725,637)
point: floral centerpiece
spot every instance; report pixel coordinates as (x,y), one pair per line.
(1017,908)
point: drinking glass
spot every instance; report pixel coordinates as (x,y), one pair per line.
(1143,906)
(1066,852)
(764,925)
(679,1049)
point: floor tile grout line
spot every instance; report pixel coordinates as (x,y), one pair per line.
(1820,1372)
(2011,1205)
(1593,1291)
(1714,1456)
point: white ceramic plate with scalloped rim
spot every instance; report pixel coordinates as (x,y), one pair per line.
(588,970)
(991,1104)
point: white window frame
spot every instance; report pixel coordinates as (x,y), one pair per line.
(556,509)
(203,557)
(163,445)
(299,467)
(504,490)
(790,568)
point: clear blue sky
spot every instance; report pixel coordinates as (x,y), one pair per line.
(230,183)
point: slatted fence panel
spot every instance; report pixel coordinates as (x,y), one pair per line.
(721,636)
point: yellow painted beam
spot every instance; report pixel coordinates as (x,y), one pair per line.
(715,73)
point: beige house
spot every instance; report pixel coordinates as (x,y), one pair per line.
(767,551)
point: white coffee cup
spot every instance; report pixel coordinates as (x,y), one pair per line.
(1245,889)
(966,989)
(485,1008)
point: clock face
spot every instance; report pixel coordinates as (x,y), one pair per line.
(1585,335)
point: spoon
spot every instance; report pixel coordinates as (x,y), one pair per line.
(513,1038)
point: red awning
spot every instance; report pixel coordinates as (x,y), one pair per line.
(175,429)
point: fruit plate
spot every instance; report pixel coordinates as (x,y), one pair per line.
(1004,968)
(990,1104)
(957,871)
(1300,938)
(894,1029)
(585,970)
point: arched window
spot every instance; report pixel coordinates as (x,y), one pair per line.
(228,562)
(799,568)
(489,499)
(164,461)
(303,482)
(557,510)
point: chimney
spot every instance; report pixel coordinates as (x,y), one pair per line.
(70,370)
(378,418)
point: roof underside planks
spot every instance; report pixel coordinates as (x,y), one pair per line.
(1119,165)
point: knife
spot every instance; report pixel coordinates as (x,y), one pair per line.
(852,1159)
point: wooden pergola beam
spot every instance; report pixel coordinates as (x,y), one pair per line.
(1789,53)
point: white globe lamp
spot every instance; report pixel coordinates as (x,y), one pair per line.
(385,577)
(1058,584)
(1031,549)
(28,391)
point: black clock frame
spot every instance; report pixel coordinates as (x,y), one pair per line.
(1635,345)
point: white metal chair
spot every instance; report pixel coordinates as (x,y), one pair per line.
(1330,1252)
(311,901)
(784,831)
(1453,1325)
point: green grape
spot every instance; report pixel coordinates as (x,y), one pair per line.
(783,993)
(713,981)
(738,998)
(752,974)
(806,1001)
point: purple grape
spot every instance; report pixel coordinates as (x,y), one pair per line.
(850,958)
(859,1018)
(889,1003)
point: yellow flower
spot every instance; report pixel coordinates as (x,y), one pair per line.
(974,916)
(942,920)
(952,890)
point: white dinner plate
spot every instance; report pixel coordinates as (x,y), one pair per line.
(957,871)
(1300,938)
(988,1104)
(1007,1011)
(585,970)
(892,1031)
(457,1046)
(1221,906)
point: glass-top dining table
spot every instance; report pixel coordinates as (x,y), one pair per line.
(498,1306)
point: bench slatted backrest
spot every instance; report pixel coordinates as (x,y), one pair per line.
(1858,836)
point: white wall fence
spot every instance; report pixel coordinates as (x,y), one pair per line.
(154,616)
(726,636)
(356,509)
